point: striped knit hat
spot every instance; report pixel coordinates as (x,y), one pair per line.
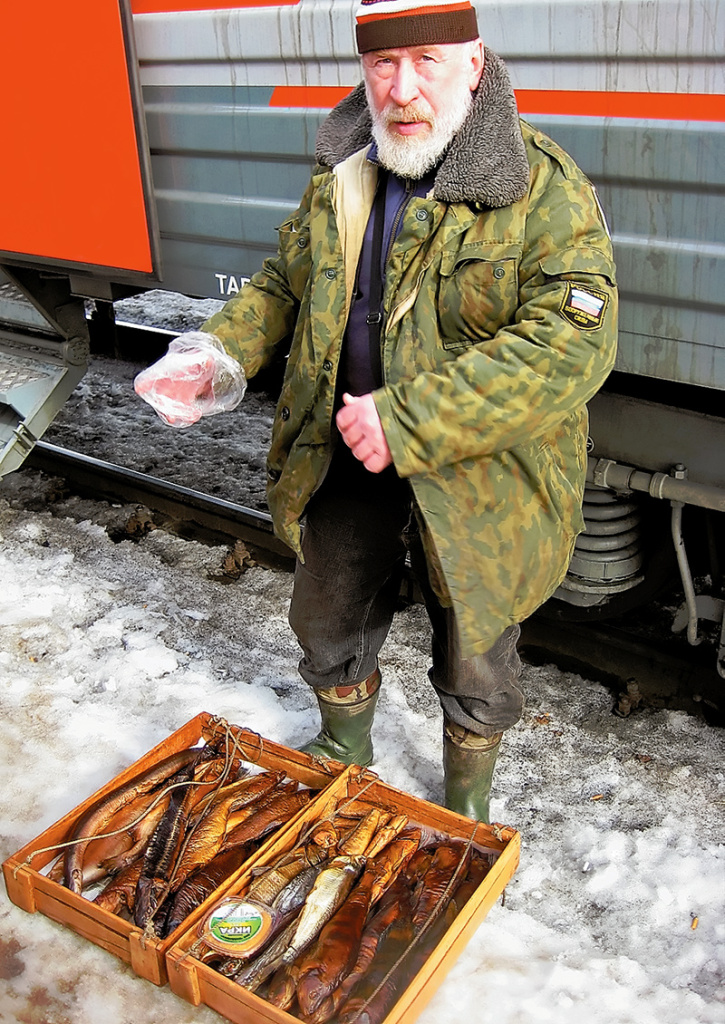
(385,24)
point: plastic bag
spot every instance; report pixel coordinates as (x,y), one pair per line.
(195,378)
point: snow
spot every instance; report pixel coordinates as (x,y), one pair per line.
(108,644)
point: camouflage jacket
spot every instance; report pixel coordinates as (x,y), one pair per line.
(500,324)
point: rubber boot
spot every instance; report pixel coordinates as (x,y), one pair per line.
(347,717)
(468,764)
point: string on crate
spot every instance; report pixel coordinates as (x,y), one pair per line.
(218,724)
(108,835)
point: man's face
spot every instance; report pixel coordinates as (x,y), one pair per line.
(419,96)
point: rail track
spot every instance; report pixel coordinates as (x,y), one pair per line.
(640,669)
(178,509)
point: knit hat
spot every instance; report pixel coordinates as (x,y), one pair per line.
(385,24)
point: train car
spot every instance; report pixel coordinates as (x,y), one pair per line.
(185,134)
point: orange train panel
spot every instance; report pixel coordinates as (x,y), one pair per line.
(166,6)
(70,176)
(657,106)
(644,105)
(318,97)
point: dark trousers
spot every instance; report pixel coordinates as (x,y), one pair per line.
(359,529)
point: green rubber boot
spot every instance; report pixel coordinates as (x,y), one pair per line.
(468,764)
(347,718)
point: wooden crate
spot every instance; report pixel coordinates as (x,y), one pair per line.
(199,983)
(33,891)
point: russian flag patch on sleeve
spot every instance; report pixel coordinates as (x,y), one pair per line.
(584,307)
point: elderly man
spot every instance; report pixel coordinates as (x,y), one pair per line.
(446,294)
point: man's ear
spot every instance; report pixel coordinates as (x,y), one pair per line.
(477,62)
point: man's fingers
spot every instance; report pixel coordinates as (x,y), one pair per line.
(352,435)
(361,430)
(363,450)
(375,463)
(373,460)
(346,417)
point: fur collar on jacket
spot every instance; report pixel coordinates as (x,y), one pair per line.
(486,162)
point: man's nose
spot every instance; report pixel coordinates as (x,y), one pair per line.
(404,88)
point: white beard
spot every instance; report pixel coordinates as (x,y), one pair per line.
(410,156)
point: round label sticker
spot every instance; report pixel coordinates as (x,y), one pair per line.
(237,926)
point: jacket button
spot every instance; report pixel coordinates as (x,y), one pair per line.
(274,474)
(302,242)
(421,214)
(330,274)
(327,366)
(284,413)
(499,272)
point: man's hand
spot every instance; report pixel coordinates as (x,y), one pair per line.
(362,432)
(195,378)
(178,388)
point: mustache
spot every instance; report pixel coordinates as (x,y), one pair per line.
(409,113)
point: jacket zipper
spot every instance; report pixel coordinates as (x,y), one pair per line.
(397,219)
(409,188)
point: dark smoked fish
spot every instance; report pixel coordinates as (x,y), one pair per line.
(447,870)
(374,1008)
(96,820)
(409,943)
(391,861)
(282,989)
(395,903)
(272,812)
(375,994)
(336,951)
(418,864)
(378,1005)
(165,844)
(477,871)
(201,884)
(120,893)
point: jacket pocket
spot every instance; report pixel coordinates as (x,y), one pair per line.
(478,292)
(577,260)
